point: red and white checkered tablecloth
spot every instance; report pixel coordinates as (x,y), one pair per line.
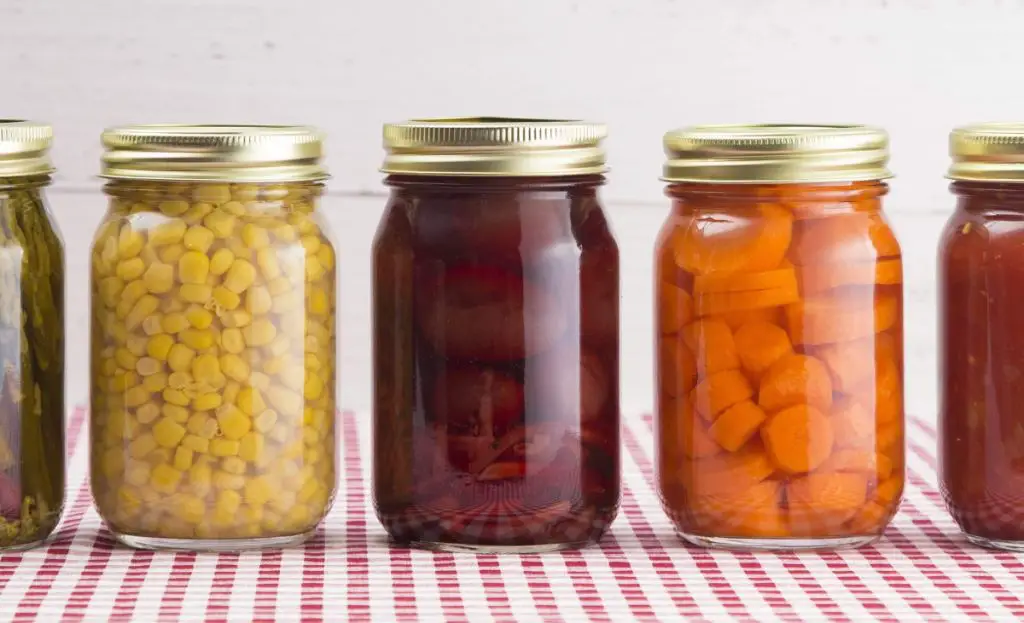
(922,570)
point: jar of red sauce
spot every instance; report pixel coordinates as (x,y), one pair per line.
(981,337)
(779,338)
(495,337)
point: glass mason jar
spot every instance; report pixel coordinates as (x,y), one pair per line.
(980,337)
(31,341)
(213,338)
(495,311)
(779,338)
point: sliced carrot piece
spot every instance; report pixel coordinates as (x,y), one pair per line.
(690,432)
(818,278)
(759,345)
(730,473)
(714,303)
(856,460)
(727,240)
(840,318)
(889,437)
(675,308)
(869,519)
(850,364)
(712,343)
(888,391)
(737,319)
(820,502)
(718,392)
(888,492)
(796,379)
(843,238)
(798,439)
(737,425)
(677,368)
(752,512)
(766,522)
(739,282)
(853,424)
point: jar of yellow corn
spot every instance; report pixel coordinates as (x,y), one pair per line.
(213,338)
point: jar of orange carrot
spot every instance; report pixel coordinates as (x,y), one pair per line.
(779,338)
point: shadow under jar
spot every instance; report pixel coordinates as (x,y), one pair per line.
(213,339)
(31,341)
(778,298)
(981,337)
(496,336)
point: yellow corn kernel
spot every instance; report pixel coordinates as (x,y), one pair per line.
(147,413)
(228,501)
(285,233)
(179,357)
(196,213)
(167,233)
(155,382)
(205,366)
(313,388)
(175,412)
(130,294)
(200,477)
(293,377)
(224,480)
(310,436)
(193,267)
(108,367)
(312,363)
(112,463)
(123,381)
(260,333)
(180,380)
(195,292)
(279,286)
(165,478)
(319,302)
(285,400)
(142,309)
(240,276)
(252,516)
(230,391)
(307,490)
(176,397)
(259,380)
(250,401)
(224,447)
(267,261)
(147,366)
(254,236)
(125,358)
(196,339)
(190,508)
(233,465)
(258,491)
(195,443)
(168,433)
(326,257)
(110,289)
(198,238)
(212,193)
(171,254)
(129,242)
(220,223)
(221,261)
(172,208)
(130,269)
(159,278)
(137,473)
(199,317)
(314,269)
(289,301)
(258,300)
(136,396)
(182,458)
(231,341)
(292,450)
(236,319)
(202,425)
(265,421)
(159,346)
(251,446)
(152,325)
(272,366)
(297,518)
(311,244)
(141,446)
(174,322)
(226,299)
(233,424)
(206,402)
(234,367)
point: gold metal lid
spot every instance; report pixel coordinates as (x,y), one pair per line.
(987,152)
(24,148)
(494,147)
(776,154)
(222,153)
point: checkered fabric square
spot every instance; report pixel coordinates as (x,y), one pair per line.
(922,570)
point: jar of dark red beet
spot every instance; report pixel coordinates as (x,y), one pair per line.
(981,337)
(495,337)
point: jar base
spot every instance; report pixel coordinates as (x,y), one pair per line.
(461,548)
(213,545)
(21,547)
(1009,546)
(795,544)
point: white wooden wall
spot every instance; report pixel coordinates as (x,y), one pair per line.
(917,67)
